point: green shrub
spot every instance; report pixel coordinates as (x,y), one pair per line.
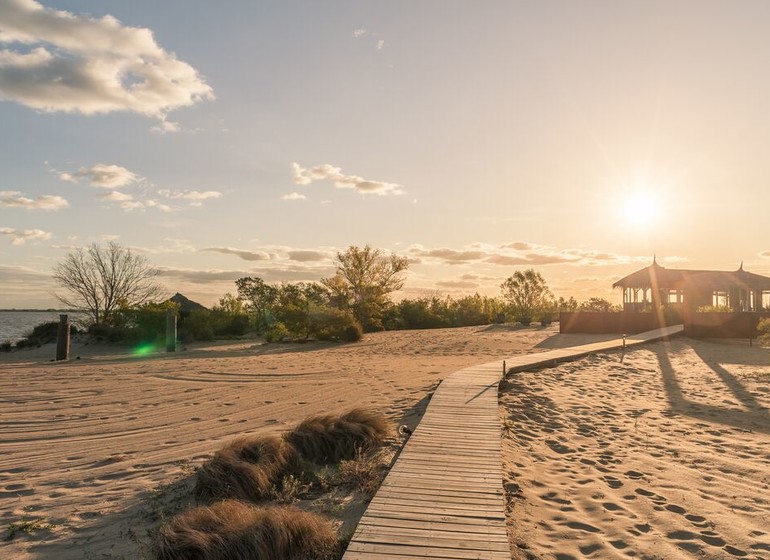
(107,333)
(335,324)
(715,309)
(44,333)
(763,329)
(197,326)
(277,333)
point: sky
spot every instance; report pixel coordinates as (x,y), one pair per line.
(251,138)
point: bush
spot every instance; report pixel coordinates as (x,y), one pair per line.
(335,324)
(198,327)
(108,333)
(277,333)
(331,438)
(763,328)
(234,530)
(247,468)
(44,333)
(715,309)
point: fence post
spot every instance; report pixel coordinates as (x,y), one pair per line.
(170,331)
(63,338)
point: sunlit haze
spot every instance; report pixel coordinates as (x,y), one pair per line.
(236,139)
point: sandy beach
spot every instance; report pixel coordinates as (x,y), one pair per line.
(85,445)
(663,455)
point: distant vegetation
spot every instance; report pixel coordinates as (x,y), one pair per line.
(117,290)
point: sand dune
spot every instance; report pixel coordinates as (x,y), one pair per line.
(663,456)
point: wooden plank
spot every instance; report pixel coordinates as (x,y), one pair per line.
(427,551)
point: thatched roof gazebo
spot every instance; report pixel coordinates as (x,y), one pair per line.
(186,305)
(654,287)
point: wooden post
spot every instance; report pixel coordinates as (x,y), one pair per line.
(63,338)
(170,331)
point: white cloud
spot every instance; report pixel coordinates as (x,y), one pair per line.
(245,255)
(520,254)
(157,205)
(20,236)
(117,196)
(305,255)
(302,176)
(102,175)
(293,196)
(131,205)
(196,198)
(59,61)
(380,44)
(165,127)
(358,33)
(14,199)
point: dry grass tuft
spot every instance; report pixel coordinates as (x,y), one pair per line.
(365,472)
(233,530)
(332,438)
(247,468)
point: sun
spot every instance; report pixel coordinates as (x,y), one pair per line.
(641,209)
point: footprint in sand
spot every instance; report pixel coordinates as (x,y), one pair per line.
(612,482)
(676,509)
(634,475)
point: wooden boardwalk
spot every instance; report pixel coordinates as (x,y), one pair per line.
(443,499)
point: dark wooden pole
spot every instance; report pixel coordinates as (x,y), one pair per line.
(63,338)
(170,331)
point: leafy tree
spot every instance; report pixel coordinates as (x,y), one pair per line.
(101,280)
(295,303)
(527,295)
(231,304)
(597,304)
(364,280)
(259,297)
(570,304)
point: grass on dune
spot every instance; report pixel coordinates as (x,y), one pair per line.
(247,468)
(333,438)
(235,530)
(259,468)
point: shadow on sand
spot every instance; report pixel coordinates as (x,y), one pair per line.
(753,417)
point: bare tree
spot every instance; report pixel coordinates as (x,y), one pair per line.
(365,277)
(100,280)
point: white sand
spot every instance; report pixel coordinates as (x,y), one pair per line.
(665,456)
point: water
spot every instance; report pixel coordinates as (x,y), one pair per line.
(15,325)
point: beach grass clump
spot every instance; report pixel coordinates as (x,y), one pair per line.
(247,468)
(333,438)
(234,530)
(365,472)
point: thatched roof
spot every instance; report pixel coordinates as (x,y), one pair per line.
(186,305)
(656,276)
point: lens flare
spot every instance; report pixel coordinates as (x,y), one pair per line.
(144,349)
